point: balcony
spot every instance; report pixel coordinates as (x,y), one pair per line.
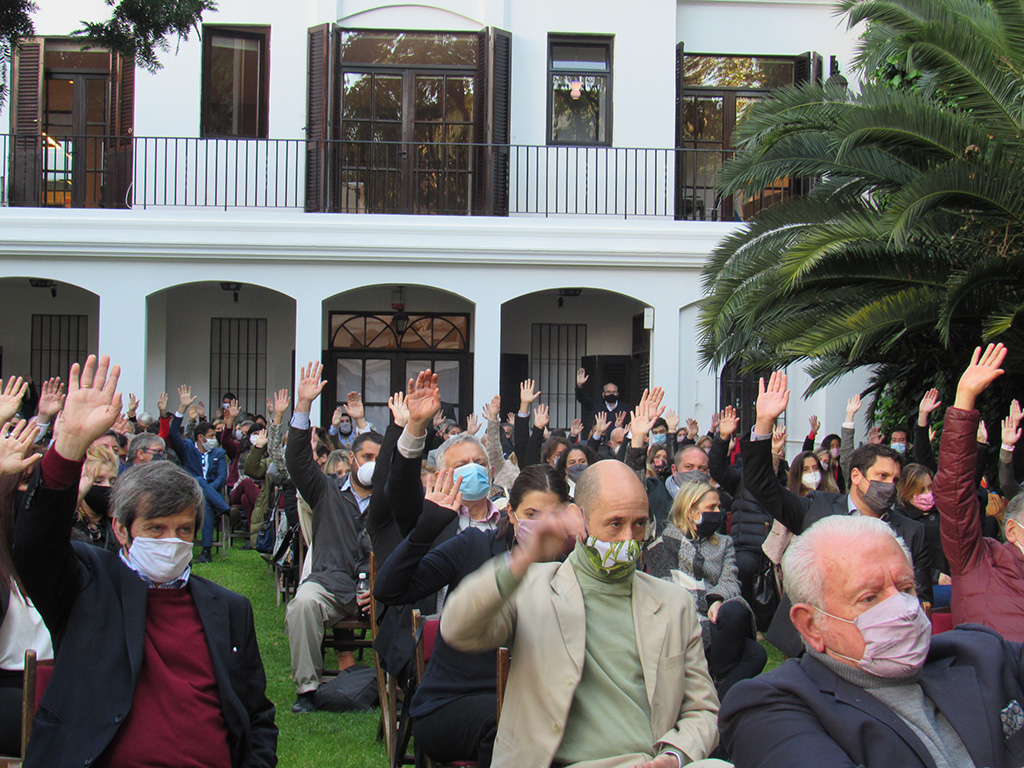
(370,177)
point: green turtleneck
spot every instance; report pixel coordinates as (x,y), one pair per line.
(610,714)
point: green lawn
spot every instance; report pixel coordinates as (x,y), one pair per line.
(319,739)
(310,740)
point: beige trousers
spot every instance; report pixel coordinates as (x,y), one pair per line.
(308,614)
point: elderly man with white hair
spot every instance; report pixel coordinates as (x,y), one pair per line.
(874,688)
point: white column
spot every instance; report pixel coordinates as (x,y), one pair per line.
(665,357)
(122,335)
(486,349)
(309,325)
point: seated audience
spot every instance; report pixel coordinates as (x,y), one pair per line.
(988,575)
(916,501)
(607,663)
(454,707)
(806,475)
(691,553)
(874,687)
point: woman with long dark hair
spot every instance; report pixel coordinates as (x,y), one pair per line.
(455,707)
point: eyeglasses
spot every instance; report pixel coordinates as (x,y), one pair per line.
(155,452)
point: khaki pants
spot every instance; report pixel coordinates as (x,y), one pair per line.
(628,761)
(311,610)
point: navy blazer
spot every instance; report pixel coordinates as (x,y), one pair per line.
(95,609)
(803,715)
(216,475)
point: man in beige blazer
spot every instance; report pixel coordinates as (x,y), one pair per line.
(607,668)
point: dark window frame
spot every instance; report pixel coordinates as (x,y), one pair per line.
(238,360)
(580,39)
(262,35)
(53,355)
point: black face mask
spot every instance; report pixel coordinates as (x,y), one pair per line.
(98,499)
(708,525)
(611,398)
(663,471)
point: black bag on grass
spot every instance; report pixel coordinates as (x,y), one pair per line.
(353,690)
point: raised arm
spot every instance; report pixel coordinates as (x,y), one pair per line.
(923,453)
(847,436)
(1011,435)
(724,473)
(955,486)
(403,490)
(309,480)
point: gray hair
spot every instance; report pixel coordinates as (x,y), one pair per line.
(144,419)
(459,439)
(142,442)
(801,570)
(156,489)
(1015,510)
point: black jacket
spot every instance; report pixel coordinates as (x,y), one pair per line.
(800,513)
(95,608)
(750,521)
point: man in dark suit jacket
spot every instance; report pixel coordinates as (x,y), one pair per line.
(874,688)
(150,659)
(608,402)
(875,469)
(206,461)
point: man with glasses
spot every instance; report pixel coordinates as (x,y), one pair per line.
(146,447)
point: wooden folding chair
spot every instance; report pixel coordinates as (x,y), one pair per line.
(504,663)
(37,677)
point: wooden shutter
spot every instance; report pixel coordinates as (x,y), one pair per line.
(680,196)
(26,123)
(808,68)
(318,119)
(117,168)
(492,117)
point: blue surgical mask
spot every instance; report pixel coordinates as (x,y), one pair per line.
(659,439)
(899,447)
(475,482)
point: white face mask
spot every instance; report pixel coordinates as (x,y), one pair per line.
(811,479)
(159,560)
(209,443)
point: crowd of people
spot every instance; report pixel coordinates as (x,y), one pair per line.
(631,564)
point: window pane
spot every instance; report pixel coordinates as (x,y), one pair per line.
(702,118)
(356,101)
(378,381)
(448,379)
(233,86)
(424,48)
(429,95)
(413,367)
(584,56)
(579,109)
(458,105)
(387,97)
(96,100)
(349,379)
(736,72)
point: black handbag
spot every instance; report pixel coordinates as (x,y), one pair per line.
(766,594)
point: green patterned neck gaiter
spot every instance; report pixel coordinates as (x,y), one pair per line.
(614,559)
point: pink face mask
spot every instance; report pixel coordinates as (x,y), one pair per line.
(897,636)
(924,501)
(524,531)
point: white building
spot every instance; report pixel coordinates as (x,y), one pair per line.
(262,200)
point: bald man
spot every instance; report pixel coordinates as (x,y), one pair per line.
(607,669)
(874,688)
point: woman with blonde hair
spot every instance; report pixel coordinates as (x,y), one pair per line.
(691,553)
(94,493)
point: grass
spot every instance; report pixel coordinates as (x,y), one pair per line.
(314,740)
(318,739)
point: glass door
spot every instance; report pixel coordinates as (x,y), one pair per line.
(74,126)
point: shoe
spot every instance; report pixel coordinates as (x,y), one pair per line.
(204,557)
(247,545)
(304,702)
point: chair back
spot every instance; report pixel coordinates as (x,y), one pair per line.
(504,663)
(37,677)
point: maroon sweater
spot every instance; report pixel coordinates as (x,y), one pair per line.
(176,719)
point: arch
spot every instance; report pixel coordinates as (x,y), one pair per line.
(48,325)
(383,13)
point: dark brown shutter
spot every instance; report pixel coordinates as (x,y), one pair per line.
(26,123)
(680,196)
(491,130)
(117,169)
(318,119)
(807,68)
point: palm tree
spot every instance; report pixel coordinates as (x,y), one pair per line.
(907,251)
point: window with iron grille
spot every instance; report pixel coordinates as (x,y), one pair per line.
(555,353)
(57,342)
(238,361)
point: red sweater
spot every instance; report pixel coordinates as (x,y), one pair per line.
(176,719)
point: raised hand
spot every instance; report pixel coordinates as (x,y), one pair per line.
(528,393)
(399,410)
(728,422)
(201,409)
(875,436)
(339,412)
(1011,430)
(91,407)
(511,419)
(311,384)
(355,409)
(473,424)
(193,413)
(575,429)
(982,432)
(692,429)
(10,398)
(581,378)
(269,403)
(852,406)
(930,401)
(772,399)
(281,403)
(51,399)
(423,399)
(600,424)
(133,403)
(233,410)
(443,490)
(985,368)
(672,419)
(815,425)
(161,404)
(15,441)
(185,398)
(714,421)
(492,410)
(259,439)
(779,440)
(620,419)
(648,410)
(541,416)
(122,426)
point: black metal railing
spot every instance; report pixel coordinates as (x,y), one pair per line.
(369,177)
